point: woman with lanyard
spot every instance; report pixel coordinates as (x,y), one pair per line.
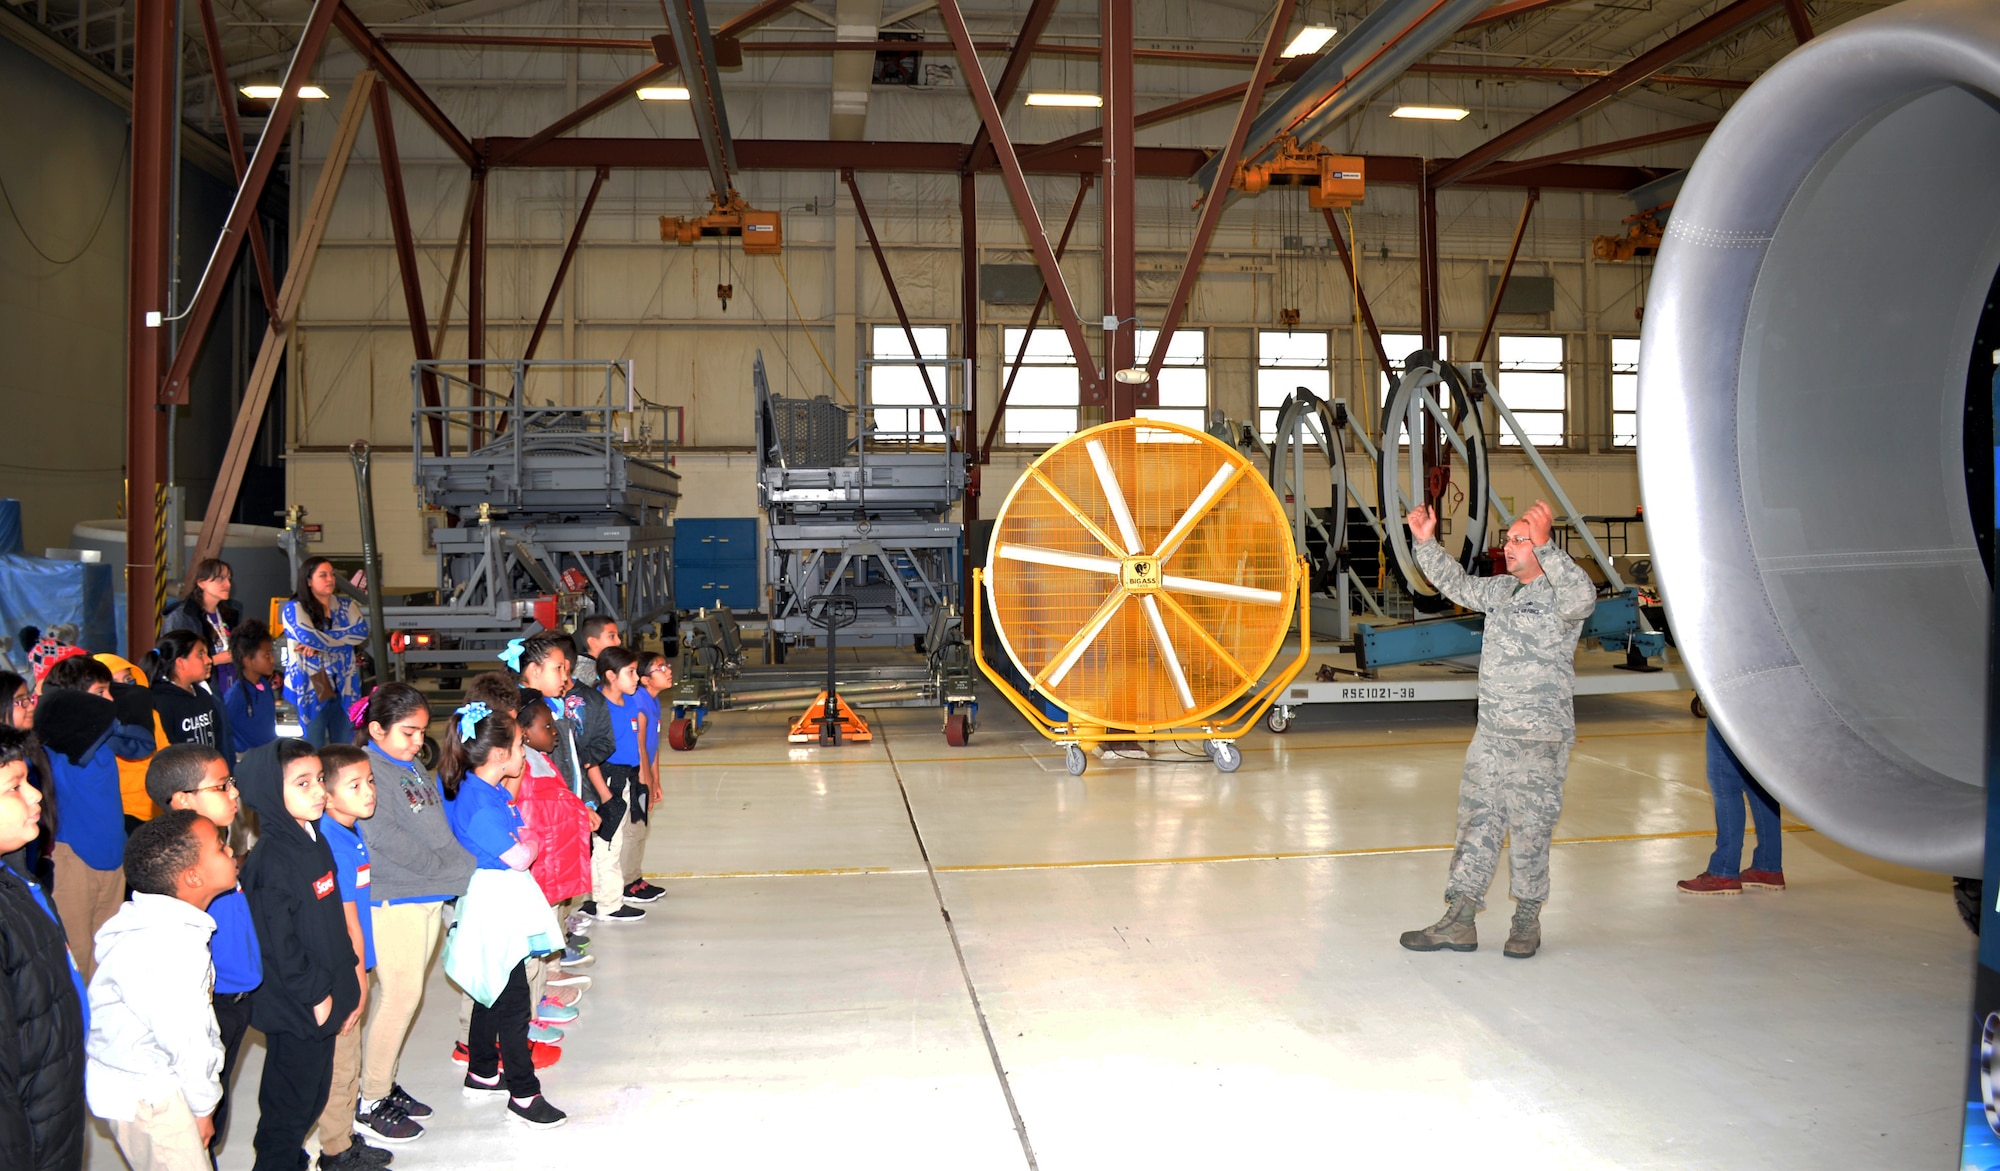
(322,679)
(208,614)
(415,864)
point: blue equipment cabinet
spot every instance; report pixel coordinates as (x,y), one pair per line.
(715,563)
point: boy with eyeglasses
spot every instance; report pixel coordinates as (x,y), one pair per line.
(195,777)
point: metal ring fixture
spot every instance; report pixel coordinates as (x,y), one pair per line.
(1310,420)
(1465,438)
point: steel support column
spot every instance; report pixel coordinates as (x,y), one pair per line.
(475,279)
(1017,191)
(1802,29)
(1218,192)
(225,99)
(1506,273)
(896,300)
(243,212)
(153,59)
(1633,72)
(406,251)
(1427,257)
(562,266)
(968,277)
(1119,202)
(1027,335)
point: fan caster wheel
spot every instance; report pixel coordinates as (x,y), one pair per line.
(957,729)
(1075,759)
(428,754)
(1227,757)
(681,735)
(1699,708)
(1278,720)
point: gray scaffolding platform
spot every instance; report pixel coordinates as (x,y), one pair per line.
(854,514)
(559,511)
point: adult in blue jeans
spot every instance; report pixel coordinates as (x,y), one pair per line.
(1731,784)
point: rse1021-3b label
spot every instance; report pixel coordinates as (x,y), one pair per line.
(1378,691)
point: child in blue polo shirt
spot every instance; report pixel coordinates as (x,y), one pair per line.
(350,797)
(503,919)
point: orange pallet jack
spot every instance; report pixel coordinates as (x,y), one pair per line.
(827,718)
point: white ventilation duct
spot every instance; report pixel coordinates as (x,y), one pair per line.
(1802,387)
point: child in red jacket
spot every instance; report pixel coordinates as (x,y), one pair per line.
(555,818)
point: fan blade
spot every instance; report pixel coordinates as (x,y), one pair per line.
(1114,496)
(1036,555)
(1159,625)
(1074,510)
(1223,590)
(1211,492)
(1081,643)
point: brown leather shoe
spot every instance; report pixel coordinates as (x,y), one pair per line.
(1711,884)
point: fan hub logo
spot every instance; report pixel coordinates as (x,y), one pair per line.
(1139,575)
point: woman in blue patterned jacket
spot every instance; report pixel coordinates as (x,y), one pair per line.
(324,628)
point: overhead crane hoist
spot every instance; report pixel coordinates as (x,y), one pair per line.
(1334,181)
(730,214)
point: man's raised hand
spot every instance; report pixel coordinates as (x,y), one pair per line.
(1423,522)
(1540,521)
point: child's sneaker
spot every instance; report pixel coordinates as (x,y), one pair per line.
(565,995)
(576,959)
(588,910)
(460,1055)
(537,1112)
(546,1034)
(375,1156)
(622,915)
(553,1012)
(354,1158)
(384,1120)
(562,979)
(576,923)
(641,891)
(576,943)
(411,1106)
(483,1089)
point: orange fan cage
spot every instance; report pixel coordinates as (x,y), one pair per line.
(1142,577)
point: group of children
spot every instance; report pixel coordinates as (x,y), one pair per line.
(530,830)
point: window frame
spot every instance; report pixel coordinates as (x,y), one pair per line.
(1527,416)
(1048,350)
(1267,412)
(931,431)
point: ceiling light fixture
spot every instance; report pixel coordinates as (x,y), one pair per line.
(1080,101)
(270,93)
(1311,39)
(664,93)
(1430,113)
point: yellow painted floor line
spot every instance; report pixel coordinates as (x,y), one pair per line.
(677,761)
(1196,860)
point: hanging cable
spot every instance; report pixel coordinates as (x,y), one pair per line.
(7,197)
(803,328)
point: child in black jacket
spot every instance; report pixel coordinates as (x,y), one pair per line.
(310,994)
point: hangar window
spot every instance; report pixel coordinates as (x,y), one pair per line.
(901,388)
(1042,407)
(1624,392)
(1183,377)
(1400,346)
(1534,386)
(1285,362)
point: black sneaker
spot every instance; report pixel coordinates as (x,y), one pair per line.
(537,1113)
(411,1106)
(576,943)
(480,1089)
(589,909)
(641,891)
(389,1123)
(376,1156)
(354,1158)
(621,915)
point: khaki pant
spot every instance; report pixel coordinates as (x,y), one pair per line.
(86,899)
(336,1122)
(607,870)
(161,1138)
(632,851)
(406,939)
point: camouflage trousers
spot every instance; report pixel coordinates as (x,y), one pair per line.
(1511,790)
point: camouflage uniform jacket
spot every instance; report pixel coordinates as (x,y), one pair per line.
(1527,660)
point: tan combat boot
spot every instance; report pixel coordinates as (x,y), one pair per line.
(1526,934)
(1454,932)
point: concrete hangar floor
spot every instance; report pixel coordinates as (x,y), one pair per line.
(1181,968)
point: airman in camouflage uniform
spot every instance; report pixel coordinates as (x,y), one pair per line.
(1512,786)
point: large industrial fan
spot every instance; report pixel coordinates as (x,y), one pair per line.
(1142,580)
